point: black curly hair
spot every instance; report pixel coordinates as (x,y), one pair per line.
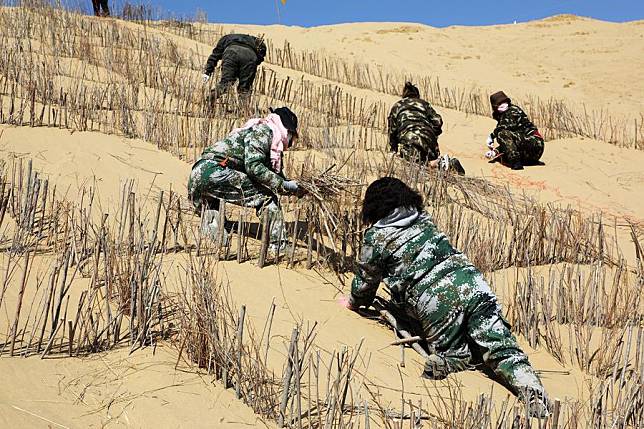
(410,91)
(386,194)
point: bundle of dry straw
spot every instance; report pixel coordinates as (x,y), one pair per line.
(330,193)
(327,185)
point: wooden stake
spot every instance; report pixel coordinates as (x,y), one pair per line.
(240,238)
(240,334)
(265,238)
(286,382)
(23,285)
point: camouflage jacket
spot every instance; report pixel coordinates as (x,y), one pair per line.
(248,151)
(408,253)
(413,115)
(252,42)
(514,119)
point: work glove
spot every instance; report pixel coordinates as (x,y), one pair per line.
(491,154)
(205,78)
(490,141)
(443,162)
(292,187)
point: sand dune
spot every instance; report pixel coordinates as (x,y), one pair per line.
(580,60)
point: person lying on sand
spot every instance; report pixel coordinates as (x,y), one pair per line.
(519,141)
(414,127)
(435,287)
(245,168)
(240,55)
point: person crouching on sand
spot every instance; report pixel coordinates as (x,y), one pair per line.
(439,290)
(519,140)
(414,127)
(245,168)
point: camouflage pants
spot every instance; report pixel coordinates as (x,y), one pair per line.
(471,332)
(101,7)
(518,148)
(238,62)
(209,182)
(418,148)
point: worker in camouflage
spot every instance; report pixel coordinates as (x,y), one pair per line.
(438,290)
(519,140)
(240,54)
(414,127)
(245,169)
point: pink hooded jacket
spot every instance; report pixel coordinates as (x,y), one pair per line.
(280,137)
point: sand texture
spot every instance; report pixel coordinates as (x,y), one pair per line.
(155,307)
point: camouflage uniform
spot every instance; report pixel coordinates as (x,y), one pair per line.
(240,54)
(237,169)
(518,138)
(414,127)
(437,287)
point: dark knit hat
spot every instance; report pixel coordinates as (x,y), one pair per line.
(288,118)
(410,91)
(499,98)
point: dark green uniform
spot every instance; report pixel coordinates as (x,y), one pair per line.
(240,54)
(414,127)
(519,140)
(101,8)
(438,287)
(238,170)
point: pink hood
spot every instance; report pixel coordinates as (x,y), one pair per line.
(280,137)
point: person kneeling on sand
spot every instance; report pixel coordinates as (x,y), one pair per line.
(245,168)
(520,142)
(414,127)
(437,289)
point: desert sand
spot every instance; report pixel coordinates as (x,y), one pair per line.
(582,61)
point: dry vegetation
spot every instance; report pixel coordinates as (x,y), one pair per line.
(61,69)
(555,117)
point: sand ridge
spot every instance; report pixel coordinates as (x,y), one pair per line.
(584,173)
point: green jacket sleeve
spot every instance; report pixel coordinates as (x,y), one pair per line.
(256,155)
(502,124)
(393,130)
(436,121)
(216,55)
(514,120)
(368,274)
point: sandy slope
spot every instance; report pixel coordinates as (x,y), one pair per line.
(599,58)
(146,389)
(115,390)
(578,59)
(580,172)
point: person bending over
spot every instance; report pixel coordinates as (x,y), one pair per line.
(437,288)
(414,127)
(245,168)
(240,55)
